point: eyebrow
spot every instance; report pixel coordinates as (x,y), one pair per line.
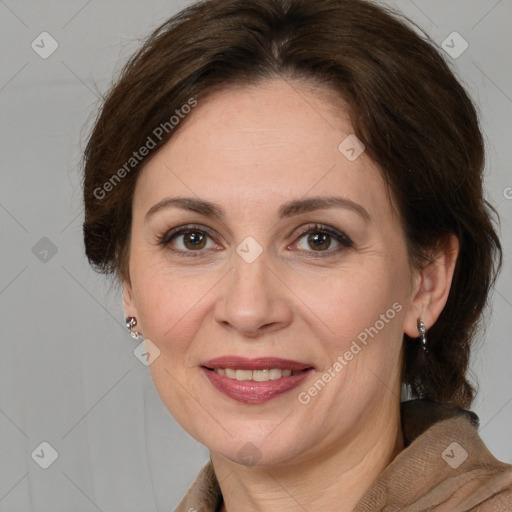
(295,207)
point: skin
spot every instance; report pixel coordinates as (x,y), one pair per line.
(249,150)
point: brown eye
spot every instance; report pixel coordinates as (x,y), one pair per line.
(323,240)
(194,240)
(187,239)
(319,241)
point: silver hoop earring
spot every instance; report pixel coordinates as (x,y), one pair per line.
(130,322)
(423,335)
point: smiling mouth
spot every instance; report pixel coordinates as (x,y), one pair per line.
(263,375)
(255,380)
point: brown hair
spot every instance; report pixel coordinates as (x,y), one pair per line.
(413,116)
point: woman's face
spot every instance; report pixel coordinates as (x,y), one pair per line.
(298,256)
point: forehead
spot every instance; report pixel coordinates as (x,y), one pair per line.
(278,139)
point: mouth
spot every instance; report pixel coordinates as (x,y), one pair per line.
(254,375)
(255,381)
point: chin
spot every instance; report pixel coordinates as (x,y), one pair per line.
(257,451)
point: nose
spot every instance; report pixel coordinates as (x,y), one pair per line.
(254,300)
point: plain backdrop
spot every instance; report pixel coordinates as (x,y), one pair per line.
(68,375)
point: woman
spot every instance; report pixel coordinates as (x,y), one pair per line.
(290,193)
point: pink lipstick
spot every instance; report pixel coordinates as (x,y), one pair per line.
(255,381)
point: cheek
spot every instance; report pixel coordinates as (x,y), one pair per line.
(359,313)
(172,310)
(171,304)
(354,302)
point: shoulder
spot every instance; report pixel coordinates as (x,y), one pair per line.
(445,465)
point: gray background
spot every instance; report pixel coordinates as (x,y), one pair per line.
(67,372)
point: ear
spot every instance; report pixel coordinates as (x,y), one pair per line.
(431,287)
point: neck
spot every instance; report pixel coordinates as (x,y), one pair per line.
(335,479)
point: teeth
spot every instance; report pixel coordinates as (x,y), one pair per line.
(277,373)
(244,375)
(256,375)
(261,375)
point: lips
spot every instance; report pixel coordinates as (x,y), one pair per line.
(255,381)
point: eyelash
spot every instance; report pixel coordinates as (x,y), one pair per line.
(340,237)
